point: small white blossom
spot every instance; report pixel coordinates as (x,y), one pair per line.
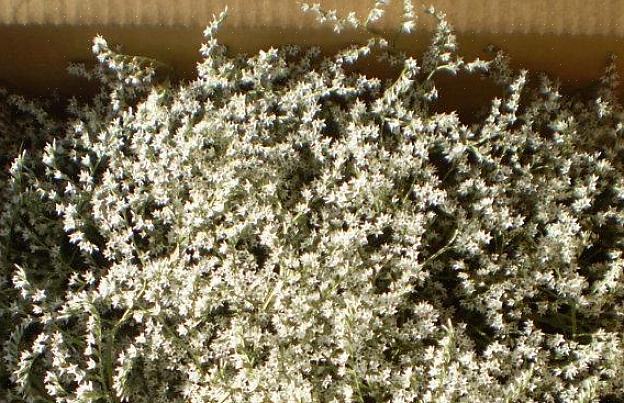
(282,228)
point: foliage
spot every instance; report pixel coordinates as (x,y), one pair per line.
(280,229)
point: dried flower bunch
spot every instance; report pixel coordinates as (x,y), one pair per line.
(282,230)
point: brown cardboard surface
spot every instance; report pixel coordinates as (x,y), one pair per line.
(575,17)
(566,38)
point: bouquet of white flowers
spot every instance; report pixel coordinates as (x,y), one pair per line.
(284,229)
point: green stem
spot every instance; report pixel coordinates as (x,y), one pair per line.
(436,70)
(109,367)
(573,320)
(409,190)
(443,249)
(103,365)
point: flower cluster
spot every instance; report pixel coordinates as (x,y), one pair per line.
(282,230)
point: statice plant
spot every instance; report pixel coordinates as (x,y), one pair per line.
(285,229)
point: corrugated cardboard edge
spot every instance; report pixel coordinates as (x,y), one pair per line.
(559,17)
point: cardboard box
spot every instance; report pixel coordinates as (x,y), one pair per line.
(570,39)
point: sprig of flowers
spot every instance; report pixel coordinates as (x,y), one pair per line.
(282,229)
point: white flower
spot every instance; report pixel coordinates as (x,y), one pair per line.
(374,15)
(282,228)
(99,45)
(407,26)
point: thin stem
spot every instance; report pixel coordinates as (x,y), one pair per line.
(409,190)
(443,249)
(573,317)
(435,70)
